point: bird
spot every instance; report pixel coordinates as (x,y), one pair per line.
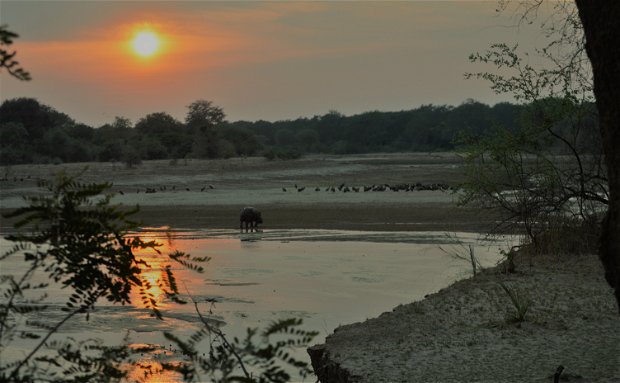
(211,186)
(203,188)
(284,189)
(301,189)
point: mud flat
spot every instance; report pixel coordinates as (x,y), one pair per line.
(208,194)
(464,333)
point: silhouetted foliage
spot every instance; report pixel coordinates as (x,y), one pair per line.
(113,141)
(7,58)
(14,145)
(160,136)
(549,172)
(54,137)
(35,117)
(266,360)
(243,141)
(202,121)
(427,128)
(204,115)
(73,235)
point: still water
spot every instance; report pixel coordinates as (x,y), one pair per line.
(328,278)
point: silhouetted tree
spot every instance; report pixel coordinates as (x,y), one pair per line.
(113,139)
(201,120)
(243,141)
(602,32)
(161,136)
(203,114)
(519,168)
(14,144)
(34,116)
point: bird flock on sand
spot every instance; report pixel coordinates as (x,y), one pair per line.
(171,188)
(400,187)
(148,190)
(343,188)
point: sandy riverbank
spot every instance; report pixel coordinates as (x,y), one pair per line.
(202,194)
(366,217)
(464,333)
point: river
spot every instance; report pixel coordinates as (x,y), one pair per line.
(327,278)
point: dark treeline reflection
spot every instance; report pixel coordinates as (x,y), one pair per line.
(31,132)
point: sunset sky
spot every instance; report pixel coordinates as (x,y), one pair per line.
(257,60)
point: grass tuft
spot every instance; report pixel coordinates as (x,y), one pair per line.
(520,303)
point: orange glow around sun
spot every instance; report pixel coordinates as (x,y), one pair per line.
(146,43)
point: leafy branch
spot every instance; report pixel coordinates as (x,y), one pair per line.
(83,243)
(7,57)
(262,362)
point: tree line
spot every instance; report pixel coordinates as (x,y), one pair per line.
(32,132)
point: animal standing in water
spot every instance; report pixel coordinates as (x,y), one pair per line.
(251,217)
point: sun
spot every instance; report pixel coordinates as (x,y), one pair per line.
(146,43)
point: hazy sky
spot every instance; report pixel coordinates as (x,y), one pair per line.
(257,60)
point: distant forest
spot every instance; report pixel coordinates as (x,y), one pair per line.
(31,132)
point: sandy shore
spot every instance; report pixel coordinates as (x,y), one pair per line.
(384,217)
(203,194)
(464,332)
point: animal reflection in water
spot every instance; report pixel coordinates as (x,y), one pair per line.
(251,218)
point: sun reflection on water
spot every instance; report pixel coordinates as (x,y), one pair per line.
(160,274)
(152,372)
(153,275)
(148,367)
(156,364)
